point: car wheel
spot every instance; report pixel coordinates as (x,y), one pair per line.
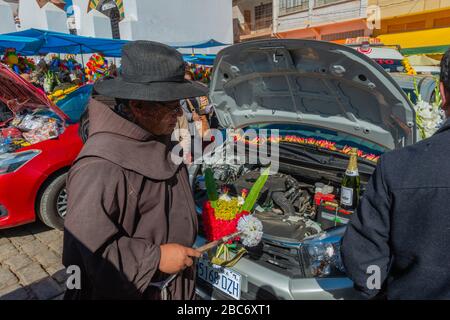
(53,203)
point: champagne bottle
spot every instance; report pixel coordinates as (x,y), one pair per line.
(350,187)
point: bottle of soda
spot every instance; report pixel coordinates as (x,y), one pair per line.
(350,188)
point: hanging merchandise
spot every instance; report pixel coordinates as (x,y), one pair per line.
(96,68)
(199,73)
(75,69)
(17,63)
(63,77)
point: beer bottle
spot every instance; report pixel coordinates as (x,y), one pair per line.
(351,183)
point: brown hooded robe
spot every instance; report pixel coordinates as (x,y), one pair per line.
(126,198)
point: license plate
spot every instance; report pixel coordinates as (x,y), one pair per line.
(226,280)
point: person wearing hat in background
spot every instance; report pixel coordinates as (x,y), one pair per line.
(131,219)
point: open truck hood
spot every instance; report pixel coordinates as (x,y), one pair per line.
(320,84)
(17,94)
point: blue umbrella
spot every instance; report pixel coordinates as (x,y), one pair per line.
(204,59)
(23,45)
(198,45)
(57,42)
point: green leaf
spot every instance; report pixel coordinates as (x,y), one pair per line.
(254,192)
(211,187)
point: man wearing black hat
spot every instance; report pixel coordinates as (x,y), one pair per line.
(131,219)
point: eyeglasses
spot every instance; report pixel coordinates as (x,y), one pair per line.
(176,109)
(173,107)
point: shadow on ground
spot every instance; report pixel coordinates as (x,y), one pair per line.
(30,263)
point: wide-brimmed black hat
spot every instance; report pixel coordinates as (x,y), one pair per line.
(151,71)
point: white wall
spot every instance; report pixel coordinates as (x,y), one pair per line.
(49,17)
(92,23)
(6,18)
(55,19)
(177,20)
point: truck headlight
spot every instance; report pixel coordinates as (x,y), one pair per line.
(10,162)
(322,256)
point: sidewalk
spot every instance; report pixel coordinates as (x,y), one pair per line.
(30,263)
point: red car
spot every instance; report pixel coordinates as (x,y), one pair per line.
(32,178)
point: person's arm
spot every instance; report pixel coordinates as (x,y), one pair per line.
(115,263)
(187,112)
(365,246)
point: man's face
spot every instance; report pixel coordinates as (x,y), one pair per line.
(158,118)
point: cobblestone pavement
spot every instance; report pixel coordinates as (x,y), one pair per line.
(30,263)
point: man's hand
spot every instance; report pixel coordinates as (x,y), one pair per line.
(175,257)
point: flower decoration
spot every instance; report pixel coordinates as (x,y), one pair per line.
(408,67)
(320,143)
(429,117)
(222,217)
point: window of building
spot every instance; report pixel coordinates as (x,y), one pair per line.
(291,6)
(404,27)
(343,35)
(319,3)
(416,25)
(442,22)
(395,28)
(263,16)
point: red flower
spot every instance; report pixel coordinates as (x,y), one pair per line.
(217,228)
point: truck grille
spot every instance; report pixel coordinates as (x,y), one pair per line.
(284,260)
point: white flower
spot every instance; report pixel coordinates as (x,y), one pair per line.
(251,227)
(225,197)
(429,118)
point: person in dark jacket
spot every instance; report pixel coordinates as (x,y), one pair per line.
(131,219)
(397,246)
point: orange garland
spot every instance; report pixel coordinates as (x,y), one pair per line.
(324,144)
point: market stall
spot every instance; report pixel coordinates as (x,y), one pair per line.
(62,78)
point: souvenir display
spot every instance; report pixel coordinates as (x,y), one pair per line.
(200,73)
(17,63)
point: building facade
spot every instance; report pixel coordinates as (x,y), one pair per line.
(330,20)
(417,26)
(252,19)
